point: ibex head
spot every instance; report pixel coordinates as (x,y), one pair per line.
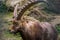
(15,24)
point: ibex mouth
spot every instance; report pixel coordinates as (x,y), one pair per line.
(12,32)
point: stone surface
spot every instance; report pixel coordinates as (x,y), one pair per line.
(54,5)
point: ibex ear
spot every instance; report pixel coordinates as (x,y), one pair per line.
(15,11)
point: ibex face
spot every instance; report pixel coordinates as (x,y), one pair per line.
(14,28)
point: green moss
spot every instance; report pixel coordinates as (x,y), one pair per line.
(58,28)
(12,36)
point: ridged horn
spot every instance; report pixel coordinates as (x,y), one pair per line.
(27,6)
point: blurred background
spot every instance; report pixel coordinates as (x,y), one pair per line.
(50,12)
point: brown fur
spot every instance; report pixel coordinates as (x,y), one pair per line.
(34,30)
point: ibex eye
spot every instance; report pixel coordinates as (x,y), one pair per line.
(15,23)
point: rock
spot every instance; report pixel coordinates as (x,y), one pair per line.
(54,5)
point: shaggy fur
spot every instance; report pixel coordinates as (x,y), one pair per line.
(34,30)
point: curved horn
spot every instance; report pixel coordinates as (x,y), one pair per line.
(27,6)
(15,11)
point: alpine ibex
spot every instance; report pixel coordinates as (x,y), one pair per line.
(30,28)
